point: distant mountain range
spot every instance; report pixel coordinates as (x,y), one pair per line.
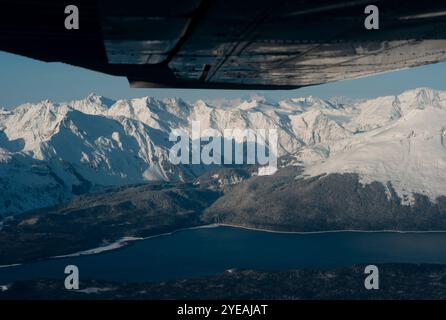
(51,152)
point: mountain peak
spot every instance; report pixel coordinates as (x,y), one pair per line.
(93,95)
(344,100)
(421,92)
(175,101)
(101,100)
(386,139)
(312,102)
(46,102)
(259,98)
(202,104)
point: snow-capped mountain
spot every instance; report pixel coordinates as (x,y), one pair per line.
(396,139)
(52,151)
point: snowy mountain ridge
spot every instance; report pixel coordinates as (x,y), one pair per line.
(52,151)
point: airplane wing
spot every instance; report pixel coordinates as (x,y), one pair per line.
(228,44)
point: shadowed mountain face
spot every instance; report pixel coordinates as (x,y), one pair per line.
(96,220)
(288,201)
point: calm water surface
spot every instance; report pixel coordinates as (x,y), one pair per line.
(208,251)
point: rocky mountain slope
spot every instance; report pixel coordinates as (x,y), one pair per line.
(103,219)
(287,201)
(50,152)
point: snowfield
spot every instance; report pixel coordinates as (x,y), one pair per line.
(404,143)
(52,151)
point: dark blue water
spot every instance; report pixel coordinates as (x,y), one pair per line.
(202,252)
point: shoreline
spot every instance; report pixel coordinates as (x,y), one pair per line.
(126,241)
(121,243)
(10,265)
(328,231)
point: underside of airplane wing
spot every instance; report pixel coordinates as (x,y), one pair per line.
(228,44)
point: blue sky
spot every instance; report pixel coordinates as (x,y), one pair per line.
(27,80)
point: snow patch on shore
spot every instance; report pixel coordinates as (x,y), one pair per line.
(112,246)
(4,288)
